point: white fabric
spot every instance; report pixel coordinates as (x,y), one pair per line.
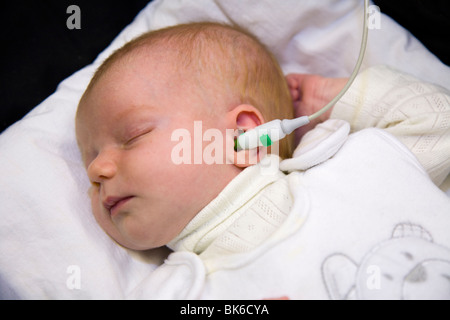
(250,189)
(50,245)
(353,233)
(417,113)
(249,209)
(318,145)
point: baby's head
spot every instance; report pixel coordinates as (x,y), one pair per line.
(184,81)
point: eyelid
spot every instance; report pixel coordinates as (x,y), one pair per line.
(138,134)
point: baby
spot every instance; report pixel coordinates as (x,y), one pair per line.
(168,80)
(157,84)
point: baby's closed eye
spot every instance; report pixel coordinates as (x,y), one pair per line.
(135,135)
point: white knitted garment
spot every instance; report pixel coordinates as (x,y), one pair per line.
(268,211)
(249,209)
(417,113)
(255,203)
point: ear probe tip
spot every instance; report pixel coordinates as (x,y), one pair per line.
(268,133)
(237,147)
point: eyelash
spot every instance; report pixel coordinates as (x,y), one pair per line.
(127,142)
(136,137)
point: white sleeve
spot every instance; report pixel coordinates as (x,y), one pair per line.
(181,277)
(415,112)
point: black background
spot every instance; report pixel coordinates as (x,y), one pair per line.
(39,51)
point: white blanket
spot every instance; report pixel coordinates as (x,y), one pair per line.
(51,247)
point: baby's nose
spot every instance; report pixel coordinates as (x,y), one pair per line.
(101,168)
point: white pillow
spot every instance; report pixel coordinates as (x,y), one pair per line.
(51,246)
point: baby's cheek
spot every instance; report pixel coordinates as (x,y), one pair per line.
(91,191)
(95,202)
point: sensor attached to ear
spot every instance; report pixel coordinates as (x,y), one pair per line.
(268,133)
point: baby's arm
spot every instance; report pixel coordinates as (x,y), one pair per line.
(417,113)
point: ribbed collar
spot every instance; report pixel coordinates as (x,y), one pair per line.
(229,205)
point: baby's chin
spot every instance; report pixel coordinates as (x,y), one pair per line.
(137,244)
(139,238)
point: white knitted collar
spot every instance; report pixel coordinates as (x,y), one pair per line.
(234,200)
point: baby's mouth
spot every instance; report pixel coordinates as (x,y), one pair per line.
(113,204)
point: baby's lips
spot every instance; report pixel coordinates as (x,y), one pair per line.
(112,204)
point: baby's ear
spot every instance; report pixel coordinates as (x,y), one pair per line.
(242,118)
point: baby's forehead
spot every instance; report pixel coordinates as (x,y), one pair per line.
(149,64)
(128,102)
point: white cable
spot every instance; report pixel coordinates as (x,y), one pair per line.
(267,133)
(355,70)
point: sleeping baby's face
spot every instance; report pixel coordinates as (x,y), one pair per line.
(140,197)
